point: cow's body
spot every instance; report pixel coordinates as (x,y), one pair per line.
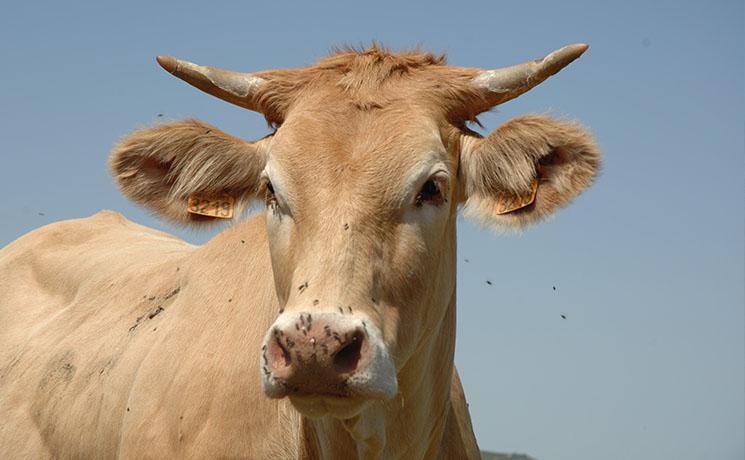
(322,328)
(119,340)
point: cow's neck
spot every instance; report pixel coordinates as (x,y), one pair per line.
(412,424)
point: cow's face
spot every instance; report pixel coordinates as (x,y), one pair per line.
(360,219)
(361,182)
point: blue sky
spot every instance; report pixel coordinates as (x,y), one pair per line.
(648,265)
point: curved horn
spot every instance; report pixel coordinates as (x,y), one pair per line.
(507,83)
(235,87)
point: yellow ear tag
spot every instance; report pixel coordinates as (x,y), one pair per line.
(510,203)
(220,207)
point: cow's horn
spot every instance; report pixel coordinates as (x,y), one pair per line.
(235,87)
(507,83)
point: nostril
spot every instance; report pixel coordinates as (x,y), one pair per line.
(285,355)
(279,355)
(348,357)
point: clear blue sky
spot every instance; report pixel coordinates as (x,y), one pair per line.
(648,264)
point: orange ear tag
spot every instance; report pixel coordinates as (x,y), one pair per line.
(510,203)
(220,207)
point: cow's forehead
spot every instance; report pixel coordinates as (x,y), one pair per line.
(355,143)
(357,162)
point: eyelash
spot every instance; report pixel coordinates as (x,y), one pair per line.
(430,193)
(269,196)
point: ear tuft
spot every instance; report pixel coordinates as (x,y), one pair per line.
(160,167)
(561,157)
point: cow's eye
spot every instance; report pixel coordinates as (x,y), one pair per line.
(269,197)
(430,193)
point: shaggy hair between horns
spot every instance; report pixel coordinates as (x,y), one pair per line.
(369,78)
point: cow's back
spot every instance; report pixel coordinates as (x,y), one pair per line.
(116,339)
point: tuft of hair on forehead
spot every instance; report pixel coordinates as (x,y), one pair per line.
(376,64)
(362,74)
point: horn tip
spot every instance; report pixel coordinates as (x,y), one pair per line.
(169,63)
(578,49)
(581,47)
(562,57)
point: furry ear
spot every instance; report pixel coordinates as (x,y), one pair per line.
(161,166)
(527,169)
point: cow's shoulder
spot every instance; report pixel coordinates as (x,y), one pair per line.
(74,299)
(56,268)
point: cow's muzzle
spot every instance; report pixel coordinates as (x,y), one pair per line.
(326,355)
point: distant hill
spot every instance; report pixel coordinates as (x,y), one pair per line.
(496,456)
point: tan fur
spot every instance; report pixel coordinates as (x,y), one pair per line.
(102,357)
(120,341)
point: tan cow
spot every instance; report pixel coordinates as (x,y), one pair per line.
(338,302)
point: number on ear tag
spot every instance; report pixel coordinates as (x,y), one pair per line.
(510,203)
(220,207)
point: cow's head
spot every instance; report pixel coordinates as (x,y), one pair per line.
(362,178)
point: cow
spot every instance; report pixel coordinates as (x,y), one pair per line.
(323,327)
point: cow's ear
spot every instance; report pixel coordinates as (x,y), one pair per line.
(525,170)
(162,167)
